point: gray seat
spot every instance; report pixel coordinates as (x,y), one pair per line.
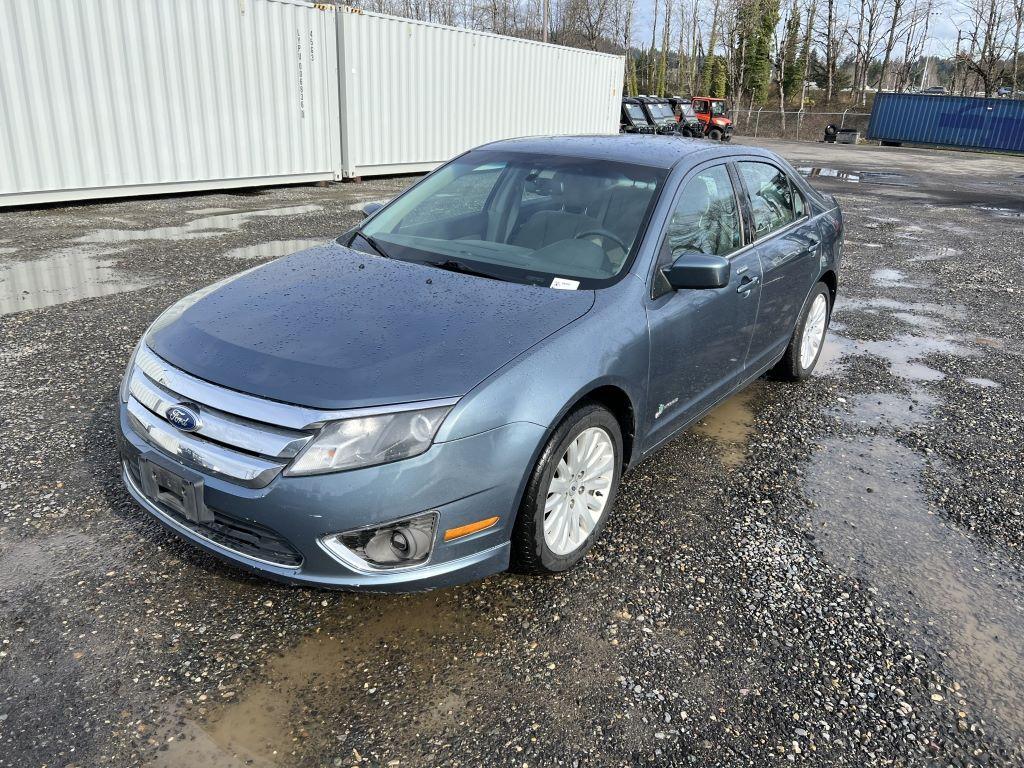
(547,227)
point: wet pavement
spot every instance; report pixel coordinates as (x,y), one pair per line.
(825,574)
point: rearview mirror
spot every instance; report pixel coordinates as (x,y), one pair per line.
(371,208)
(697,270)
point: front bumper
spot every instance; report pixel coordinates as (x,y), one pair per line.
(463,480)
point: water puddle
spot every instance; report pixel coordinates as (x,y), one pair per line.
(408,654)
(978,381)
(935,254)
(1002,212)
(923,322)
(208,226)
(889,408)
(830,173)
(887,277)
(67,275)
(855,177)
(730,425)
(903,353)
(358,207)
(871,519)
(949,311)
(272,250)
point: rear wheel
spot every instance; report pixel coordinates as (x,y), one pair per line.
(570,493)
(808,337)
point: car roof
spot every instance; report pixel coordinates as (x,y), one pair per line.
(652,151)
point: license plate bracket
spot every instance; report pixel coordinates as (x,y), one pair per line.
(175,488)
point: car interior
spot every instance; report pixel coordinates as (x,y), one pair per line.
(576,221)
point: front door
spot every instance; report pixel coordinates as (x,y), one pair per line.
(699,338)
(786,239)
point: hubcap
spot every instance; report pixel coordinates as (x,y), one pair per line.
(578,491)
(814,331)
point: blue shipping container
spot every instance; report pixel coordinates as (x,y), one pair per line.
(949,121)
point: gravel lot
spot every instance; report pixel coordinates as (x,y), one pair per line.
(829,574)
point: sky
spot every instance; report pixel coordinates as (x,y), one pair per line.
(941,32)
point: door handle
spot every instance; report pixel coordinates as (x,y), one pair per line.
(747,283)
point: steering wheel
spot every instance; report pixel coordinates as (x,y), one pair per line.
(605,234)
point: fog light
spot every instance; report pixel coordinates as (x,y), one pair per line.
(400,544)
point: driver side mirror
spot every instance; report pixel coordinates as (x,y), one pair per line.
(697,270)
(371,208)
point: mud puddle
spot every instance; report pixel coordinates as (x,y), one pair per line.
(871,519)
(730,425)
(67,275)
(208,226)
(411,656)
(273,249)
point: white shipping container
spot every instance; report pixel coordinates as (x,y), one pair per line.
(416,94)
(111,98)
(108,98)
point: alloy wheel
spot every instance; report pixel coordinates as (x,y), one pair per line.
(814,331)
(578,491)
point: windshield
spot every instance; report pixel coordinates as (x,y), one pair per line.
(687,111)
(636,112)
(717,108)
(536,219)
(662,111)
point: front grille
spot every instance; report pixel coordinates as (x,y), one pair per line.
(241,536)
(229,444)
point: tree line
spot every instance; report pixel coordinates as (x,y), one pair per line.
(785,53)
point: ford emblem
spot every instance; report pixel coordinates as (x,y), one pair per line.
(183,418)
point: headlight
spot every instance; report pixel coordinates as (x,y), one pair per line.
(368,441)
(126,379)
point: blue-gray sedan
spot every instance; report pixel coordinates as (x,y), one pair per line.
(456,386)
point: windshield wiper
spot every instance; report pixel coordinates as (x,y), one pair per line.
(457,266)
(373,244)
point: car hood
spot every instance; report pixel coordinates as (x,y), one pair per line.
(335,328)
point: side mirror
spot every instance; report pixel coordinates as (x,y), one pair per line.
(697,270)
(371,208)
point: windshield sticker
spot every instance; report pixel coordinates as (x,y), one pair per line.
(565,285)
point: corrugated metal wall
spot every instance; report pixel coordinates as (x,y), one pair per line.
(103,98)
(953,121)
(417,94)
(110,98)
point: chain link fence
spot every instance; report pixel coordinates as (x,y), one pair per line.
(804,124)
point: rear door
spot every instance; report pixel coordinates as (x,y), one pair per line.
(699,338)
(787,241)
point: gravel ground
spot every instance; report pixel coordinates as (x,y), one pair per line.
(826,574)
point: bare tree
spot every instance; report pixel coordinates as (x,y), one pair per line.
(989,42)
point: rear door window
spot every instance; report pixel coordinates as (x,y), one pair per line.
(771,196)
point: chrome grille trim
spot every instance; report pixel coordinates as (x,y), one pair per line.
(195,390)
(221,427)
(210,458)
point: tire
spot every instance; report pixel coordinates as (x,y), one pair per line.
(715,134)
(727,137)
(532,551)
(795,365)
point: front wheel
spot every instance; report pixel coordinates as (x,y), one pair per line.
(808,337)
(570,493)
(715,134)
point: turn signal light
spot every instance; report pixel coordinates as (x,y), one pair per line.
(465,530)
